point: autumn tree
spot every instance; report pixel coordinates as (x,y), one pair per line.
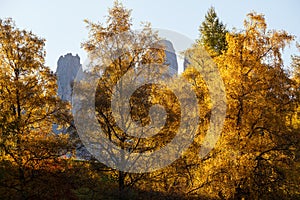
(28,108)
(296,66)
(256,150)
(296,78)
(213,33)
(295,117)
(115,50)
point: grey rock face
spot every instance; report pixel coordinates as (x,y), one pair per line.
(67,68)
(171,58)
(186,62)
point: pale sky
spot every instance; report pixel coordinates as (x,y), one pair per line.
(60,22)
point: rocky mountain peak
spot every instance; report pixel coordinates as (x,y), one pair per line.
(67,68)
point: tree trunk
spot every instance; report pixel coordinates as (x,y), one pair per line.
(121,185)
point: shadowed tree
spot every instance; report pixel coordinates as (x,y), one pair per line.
(28,108)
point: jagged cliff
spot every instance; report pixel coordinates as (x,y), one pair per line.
(67,68)
(171,58)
